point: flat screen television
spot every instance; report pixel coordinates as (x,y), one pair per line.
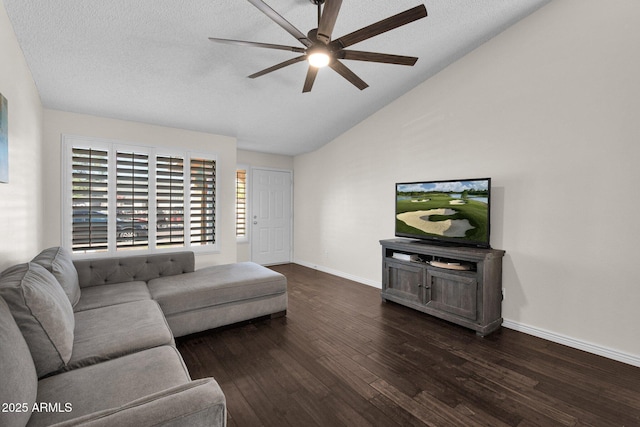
(451,211)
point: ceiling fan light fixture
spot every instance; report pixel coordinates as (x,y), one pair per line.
(319,59)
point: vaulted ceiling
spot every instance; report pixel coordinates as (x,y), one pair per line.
(151,61)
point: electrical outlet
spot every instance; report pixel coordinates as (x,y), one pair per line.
(503,294)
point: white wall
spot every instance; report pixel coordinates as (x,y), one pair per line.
(20,199)
(264,160)
(548,109)
(253,159)
(58,123)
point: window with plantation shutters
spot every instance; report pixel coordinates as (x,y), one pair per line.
(118,197)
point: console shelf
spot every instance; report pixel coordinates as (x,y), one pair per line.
(464,288)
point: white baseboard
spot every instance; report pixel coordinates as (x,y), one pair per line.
(530,330)
(342,274)
(574,343)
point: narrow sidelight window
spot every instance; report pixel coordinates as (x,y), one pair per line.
(241,203)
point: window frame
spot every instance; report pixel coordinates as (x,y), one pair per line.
(112,147)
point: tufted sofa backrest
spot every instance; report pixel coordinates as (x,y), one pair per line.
(104,271)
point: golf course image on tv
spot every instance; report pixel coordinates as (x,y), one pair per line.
(455,210)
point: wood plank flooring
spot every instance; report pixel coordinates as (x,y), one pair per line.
(342,357)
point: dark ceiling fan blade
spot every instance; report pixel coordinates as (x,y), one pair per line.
(278,66)
(278,19)
(345,72)
(385,58)
(257,44)
(380,27)
(311,77)
(328,19)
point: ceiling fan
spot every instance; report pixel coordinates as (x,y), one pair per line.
(320,50)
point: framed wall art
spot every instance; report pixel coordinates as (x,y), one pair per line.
(4,140)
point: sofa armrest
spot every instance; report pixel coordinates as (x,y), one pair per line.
(120,269)
(198,403)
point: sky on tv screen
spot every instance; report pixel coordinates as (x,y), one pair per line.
(452,186)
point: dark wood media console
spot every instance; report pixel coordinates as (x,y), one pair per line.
(460,284)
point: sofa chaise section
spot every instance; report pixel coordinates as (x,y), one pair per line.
(220,295)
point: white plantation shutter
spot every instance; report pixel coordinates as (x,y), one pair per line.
(132,199)
(114,193)
(89,201)
(170,201)
(202,201)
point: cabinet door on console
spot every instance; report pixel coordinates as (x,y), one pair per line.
(405,281)
(455,293)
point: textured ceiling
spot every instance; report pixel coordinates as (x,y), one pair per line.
(151,61)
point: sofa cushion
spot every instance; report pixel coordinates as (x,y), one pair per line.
(106,295)
(197,403)
(108,332)
(211,286)
(43,313)
(110,384)
(19,382)
(58,261)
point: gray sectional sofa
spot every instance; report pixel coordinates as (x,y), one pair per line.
(91,342)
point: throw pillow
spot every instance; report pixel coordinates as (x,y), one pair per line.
(58,261)
(43,313)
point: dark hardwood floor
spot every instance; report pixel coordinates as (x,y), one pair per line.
(341,357)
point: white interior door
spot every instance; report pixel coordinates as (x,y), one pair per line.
(271,217)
